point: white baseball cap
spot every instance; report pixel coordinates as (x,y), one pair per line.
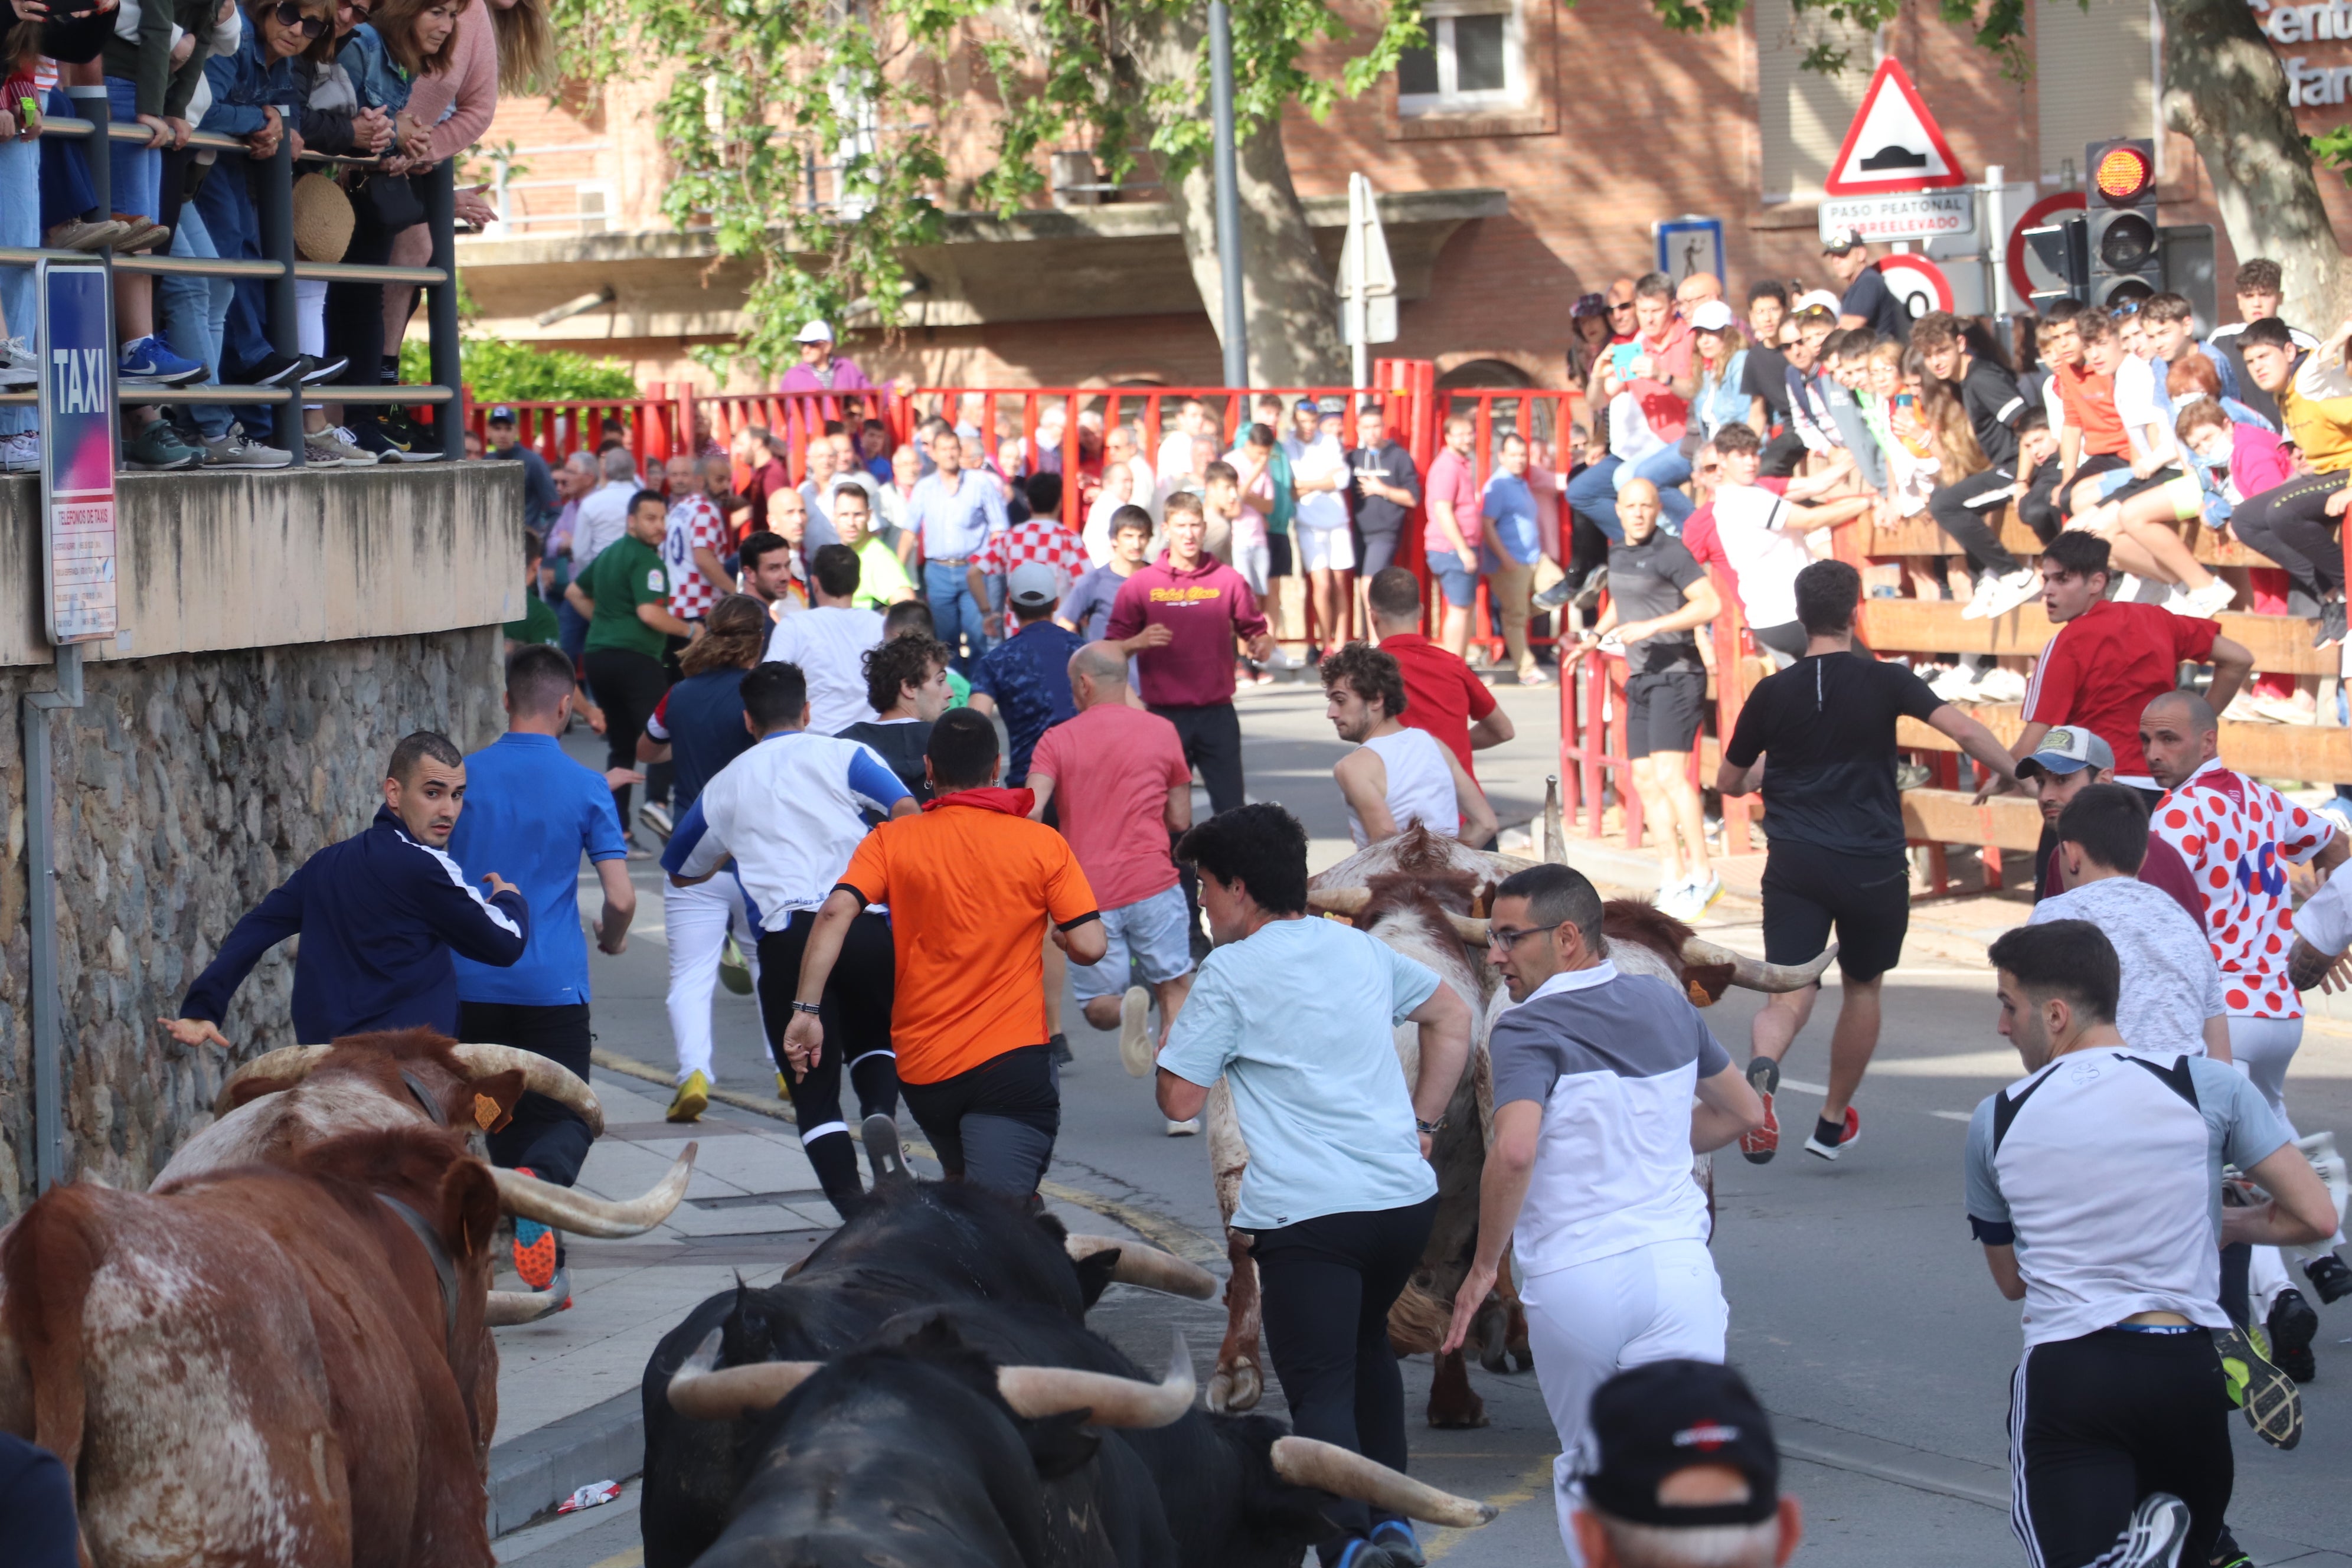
(815,332)
(1711,316)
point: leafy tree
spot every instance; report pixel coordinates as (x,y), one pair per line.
(501,372)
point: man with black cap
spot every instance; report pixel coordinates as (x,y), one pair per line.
(2070,760)
(540,501)
(1686,1474)
(1867,301)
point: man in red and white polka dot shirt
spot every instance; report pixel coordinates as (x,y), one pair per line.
(696,535)
(1043,538)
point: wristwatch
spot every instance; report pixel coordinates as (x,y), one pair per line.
(1432,1128)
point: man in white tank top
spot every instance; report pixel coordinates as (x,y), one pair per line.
(1395,776)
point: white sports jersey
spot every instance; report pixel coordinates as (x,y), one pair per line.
(788,811)
(2104,1170)
(2234,833)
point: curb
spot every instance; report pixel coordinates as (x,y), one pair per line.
(531,1473)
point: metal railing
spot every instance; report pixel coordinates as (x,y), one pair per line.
(280,269)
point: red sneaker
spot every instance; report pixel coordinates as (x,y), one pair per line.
(1760,1144)
(1847,1132)
(534,1249)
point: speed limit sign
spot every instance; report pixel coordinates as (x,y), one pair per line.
(1918,284)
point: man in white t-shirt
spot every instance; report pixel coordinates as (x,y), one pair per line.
(829,642)
(1763,535)
(1120,450)
(2171,1002)
(1174,459)
(1326,549)
(2095,1185)
(1588,1176)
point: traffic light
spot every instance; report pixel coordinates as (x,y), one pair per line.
(2127,254)
(2065,253)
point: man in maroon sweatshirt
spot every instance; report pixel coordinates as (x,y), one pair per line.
(1180,618)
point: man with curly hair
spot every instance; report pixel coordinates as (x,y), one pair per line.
(1396,776)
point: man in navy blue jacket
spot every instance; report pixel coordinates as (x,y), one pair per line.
(379,915)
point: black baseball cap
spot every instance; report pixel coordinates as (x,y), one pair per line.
(501,414)
(1652,1421)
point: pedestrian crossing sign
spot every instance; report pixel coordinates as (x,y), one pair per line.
(1893,144)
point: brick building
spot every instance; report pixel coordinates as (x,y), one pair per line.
(1522,161)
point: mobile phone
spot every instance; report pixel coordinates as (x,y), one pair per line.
(1622,357)
(1904,400)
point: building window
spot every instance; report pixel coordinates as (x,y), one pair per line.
(1476,60)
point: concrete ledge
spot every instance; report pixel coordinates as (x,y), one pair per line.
(531,1473)
(246,560)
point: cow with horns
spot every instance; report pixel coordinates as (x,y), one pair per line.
(282,1352)
(952,1434)
(1418,891)
(912,1245)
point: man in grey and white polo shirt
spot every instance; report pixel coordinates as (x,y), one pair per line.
(1589,1171)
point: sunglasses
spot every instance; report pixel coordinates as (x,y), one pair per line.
(356,13)
(289,14)
(1625,305)
(1710,468)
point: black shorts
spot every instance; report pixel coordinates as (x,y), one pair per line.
(1788,637)
(1866,896)
(1661,711)
(1278,556)
(994,1125)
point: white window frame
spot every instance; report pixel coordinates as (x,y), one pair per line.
(1437,19)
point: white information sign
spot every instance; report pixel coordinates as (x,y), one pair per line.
(1907,215)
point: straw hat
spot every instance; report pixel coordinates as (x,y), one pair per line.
(322,219)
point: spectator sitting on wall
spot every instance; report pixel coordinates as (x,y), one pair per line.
(2295,523)
(2259,289)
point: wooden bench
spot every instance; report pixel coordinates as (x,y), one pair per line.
(2280,644)
(1920,536)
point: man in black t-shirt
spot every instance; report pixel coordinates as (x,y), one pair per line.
(1766,374)
(1867,301)
(1382,487)
(1658,596)
(1819,737)
(907,686)
(1969,508)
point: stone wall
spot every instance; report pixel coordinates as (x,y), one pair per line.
(187,787)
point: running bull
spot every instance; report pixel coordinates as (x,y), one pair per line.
(1418,892)
(985,1433)
(913,1245)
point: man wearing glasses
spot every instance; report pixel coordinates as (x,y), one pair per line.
(1588,1175)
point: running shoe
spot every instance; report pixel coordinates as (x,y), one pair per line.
(17,365)
(1759,1144)
(2228,1553)
(884,1156)
(1135,1032)
(1698,895)
(692,1099)
(320,370)
(2201,604)
(20,454)
(734,969)
(2294,1323)
(1843,1135)
(2330,1277)
(654,817)
(1397,1536)
(274,370)
(536,1249)
(153,448)
(150,361)
(2330,625)
(2159,1529)
(1184,1128)
(1063,1056)
(339,440)
(317,452)
(2272,1403)
(235,450)
(559,1290)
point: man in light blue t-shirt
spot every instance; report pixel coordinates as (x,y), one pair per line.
(1511,545)
(1338,1197)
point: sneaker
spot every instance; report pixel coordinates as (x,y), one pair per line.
(2201,604)
(1980,601)
(1588,594)
(17,365)
(2294,1323)
(1999,685)
(884,1156)
(1553,597)
(734,969)
(234,450)
(276,370)
(692,1099)
(1698,895)
(2272,1403)
(150,361)
(655,818)
(83,235)
(320,454)
(155,450)
(1534,676)
(1830,1139)
(1759,1144)
(536,1249)
(2157,1530)
(320,370)
(1184,1128)
(20,454)
(2330,1277)
(1912,775)
(2228,1553)
(2020,587)
(1397,1537)
(146,236)
(2330,626)
(1135,1032)
(337,439)
(1063,1056)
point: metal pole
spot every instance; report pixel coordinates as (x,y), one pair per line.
(441,309)
(283,312)
(1994,241)
(1228,204)
(41,849)
(1359,315)
(90,103)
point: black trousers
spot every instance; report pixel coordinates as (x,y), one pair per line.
(2042,508)
(1328,1284)
(354,318)
(1212,743)
(546,1138)
(628,686)
(2095,1424)
(994,1125)
(2290,524)
(856,1015)
(1956,510)
(1780,456)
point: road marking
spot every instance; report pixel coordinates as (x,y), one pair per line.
(1954,1115)
(1531,1484)
(1802,1086)
(634,1557)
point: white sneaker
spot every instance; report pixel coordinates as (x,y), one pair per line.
(2201,604)
(1999,685)
(20,454)
(1698,895)
(1982,600)
(320,453)
(17,365)
(1957,685)
(1135,1032)
(1184,1128)
(353,455)
(2019,587)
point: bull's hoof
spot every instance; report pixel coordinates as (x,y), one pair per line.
(1236,1387)
(1459,1420)
(1492,1350)
(1523,1359)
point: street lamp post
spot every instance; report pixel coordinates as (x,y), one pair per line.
(1229,205)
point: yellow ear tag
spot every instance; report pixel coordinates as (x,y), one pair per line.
(486,1111)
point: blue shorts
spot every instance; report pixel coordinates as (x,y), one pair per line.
(1151,934)
(1458,582)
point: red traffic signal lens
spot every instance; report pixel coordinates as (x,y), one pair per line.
(2122,174)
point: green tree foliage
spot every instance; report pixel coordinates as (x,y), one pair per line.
(501,372)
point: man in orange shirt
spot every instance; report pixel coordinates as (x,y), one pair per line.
(2082,352)
(967,883)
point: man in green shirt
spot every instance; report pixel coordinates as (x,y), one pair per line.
(537,623)
(882,579)
(625,594)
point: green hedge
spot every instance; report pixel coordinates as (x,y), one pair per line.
(501,371)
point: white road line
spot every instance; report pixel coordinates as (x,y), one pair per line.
(1960,1116)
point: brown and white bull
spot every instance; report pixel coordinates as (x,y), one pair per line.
(1424,895)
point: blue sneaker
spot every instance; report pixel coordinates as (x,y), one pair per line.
(150,361)
(1402,1543)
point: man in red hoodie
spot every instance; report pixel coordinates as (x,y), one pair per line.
(1179,618)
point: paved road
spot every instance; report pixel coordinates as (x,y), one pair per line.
(1861,1308)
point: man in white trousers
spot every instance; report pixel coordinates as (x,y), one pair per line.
(1588,1176)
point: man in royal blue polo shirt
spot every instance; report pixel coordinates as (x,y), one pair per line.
(532,810)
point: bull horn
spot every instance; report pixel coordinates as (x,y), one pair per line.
(507,1308)
(286,1061)
(1038,1392)
(539,1075)
(566,1208)
(1754,973)
(701,1390)
(1326,1466)
(1350,901)
(1146,1265)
